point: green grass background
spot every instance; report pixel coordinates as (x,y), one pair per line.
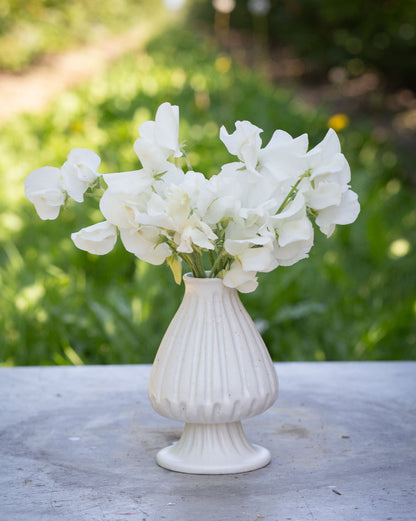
(353,299)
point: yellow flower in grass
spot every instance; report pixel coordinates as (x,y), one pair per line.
(338,122)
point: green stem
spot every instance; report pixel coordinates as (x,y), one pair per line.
(198,264)
(293,192)
(216,268)
(188,261)
(94,195)
(193,260)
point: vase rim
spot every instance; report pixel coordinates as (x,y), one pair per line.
(189,277)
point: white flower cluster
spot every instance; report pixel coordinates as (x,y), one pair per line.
(253,216)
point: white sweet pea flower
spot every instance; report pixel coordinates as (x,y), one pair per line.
(244,142)
(118,208)
(253,216)
(153,213)
(232,195)
(159,139)
(294,230)
(127,194)
(152,157)
(144,243)
(294,251)
(195,232)
(132,183)
(258,215)
(154,216)
(180,204)
(327,167)
(79,172)
(243,281)
(236,247)
(294,210)
(328,192)
(172,175)
(221,209)
(220,198)
(98,239)
(294,233)
(324,195)
(189,228)
(43,188)
(253,247)
(258,259)
(283,158)
(326,158)
(294,239)
(167,128)
(344,213)
(193,184)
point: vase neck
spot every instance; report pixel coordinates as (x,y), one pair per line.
(205,287)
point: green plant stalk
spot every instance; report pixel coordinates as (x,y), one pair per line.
(197,257)
(193,260)
(293,192)
(188,261)
(219,263)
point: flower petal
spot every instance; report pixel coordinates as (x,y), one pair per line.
(258,259)
(244,142)
(167,128)
(295,230)
(43,188)
(72,184)
(345,213)
(83,156)
(324,195)
(144,244)
(293,252)
(243,281)
(98,239)
(152,156)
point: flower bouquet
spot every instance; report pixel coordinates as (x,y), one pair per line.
(254,215)
(212,368)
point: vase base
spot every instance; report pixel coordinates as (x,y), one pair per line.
(220,448)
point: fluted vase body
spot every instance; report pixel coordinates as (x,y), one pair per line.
(211,371)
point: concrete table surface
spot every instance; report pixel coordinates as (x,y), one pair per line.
(79,443)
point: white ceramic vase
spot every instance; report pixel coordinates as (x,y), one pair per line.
(211,371)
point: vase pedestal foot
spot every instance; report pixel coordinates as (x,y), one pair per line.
(214,448)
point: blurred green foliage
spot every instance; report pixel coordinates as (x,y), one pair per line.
(29,28)
(355,35)
(355,298)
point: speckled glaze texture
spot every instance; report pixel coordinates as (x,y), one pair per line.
(212,368)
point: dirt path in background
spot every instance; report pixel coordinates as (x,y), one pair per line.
(32,90)
(395,116)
